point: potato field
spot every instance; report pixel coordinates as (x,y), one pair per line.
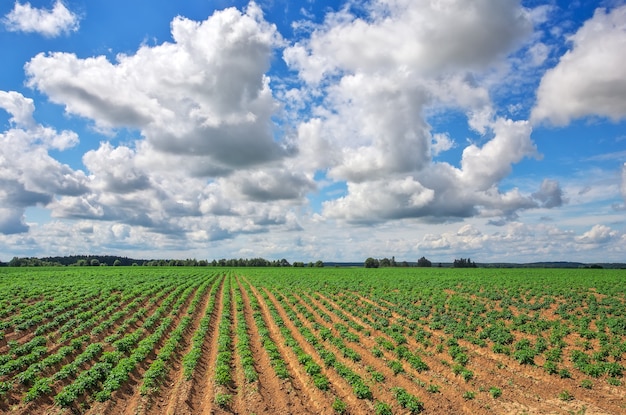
(175,340)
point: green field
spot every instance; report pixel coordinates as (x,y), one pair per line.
(398,338)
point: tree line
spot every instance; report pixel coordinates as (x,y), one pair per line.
(111,260)
(422,262)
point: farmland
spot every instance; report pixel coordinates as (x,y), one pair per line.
(175,340)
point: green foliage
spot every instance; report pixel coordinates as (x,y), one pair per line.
(565,396)
(408,401)
(340,406)
(382,408)
(469,395)
(495,392)
(395,366)
(223,399)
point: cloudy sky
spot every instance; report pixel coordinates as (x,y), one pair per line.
(332,130)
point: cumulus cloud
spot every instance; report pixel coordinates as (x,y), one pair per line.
(441,142)
(375,201)
(269,185)
(598,234)
(115,170)
(20,108)
(203,95)
(590,79)
(378,76)
(482,167)
(49,23)
(29,176)
(550,194)
(423,36)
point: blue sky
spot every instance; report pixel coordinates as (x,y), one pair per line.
(332,130)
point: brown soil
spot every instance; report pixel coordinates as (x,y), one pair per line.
(528,388)
(309,400)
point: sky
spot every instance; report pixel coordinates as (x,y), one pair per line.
(334,130)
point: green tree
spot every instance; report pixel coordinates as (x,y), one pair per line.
(384,263)
(423,262)
(371,263)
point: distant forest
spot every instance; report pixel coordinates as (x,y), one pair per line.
(112,260)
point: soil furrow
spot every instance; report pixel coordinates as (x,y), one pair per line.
(312,400)
(408,380)
(128,400)
(272,391)
(173,397)
(200,393)
(523,390)
(343,389)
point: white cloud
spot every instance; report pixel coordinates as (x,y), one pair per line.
(590,79)
(29,176)
(485,166)
(550,195)
(115,170)
(378,77)
(20,108)
(205,95)
(375,201)
(599,234)
(49,23)
(441,142)
(422,36)
(268,185)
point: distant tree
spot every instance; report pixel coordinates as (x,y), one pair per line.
(371,263)
(117,263)
(15,262)
(319,264)
(464,263)
(94,263)
(423,262)
(384,263)
(297,264)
